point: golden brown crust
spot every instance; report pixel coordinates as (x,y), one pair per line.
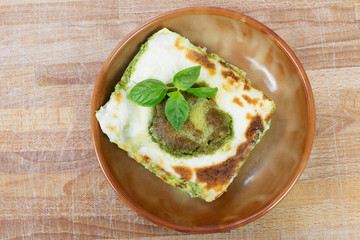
(267,117)
(226,87)
(177,43)
(248,116)
(250,100)
(163,178)
(230,74)
(201,59)
(226,65)
(220,174)
(223,64)
(180,185)
(184,172)
(163,170)
(246,87)
(118,98)
(255,124)
(238,101)
(146,159)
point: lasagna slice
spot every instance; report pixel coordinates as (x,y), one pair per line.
(204,156)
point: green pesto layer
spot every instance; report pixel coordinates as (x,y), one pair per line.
(131,68)
(207,129)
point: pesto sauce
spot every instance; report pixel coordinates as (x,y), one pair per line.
(207,128)
(131,68)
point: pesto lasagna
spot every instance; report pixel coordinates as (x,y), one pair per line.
(205,154)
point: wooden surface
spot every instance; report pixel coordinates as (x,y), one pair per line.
(51,186)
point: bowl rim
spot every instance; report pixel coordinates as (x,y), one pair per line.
(302,77)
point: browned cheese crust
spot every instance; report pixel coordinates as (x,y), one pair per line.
(220,174)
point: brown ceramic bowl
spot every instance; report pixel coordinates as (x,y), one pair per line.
(275,164)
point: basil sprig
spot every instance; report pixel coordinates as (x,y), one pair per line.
(151,92)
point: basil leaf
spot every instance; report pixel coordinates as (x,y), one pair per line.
(148,93)
(186,77)
(176,109)
(203,91)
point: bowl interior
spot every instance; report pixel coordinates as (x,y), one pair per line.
(273,166)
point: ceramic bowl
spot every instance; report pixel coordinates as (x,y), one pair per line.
(274,165)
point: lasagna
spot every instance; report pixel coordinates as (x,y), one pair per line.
(205,155)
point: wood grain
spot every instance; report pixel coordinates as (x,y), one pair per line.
(51,186)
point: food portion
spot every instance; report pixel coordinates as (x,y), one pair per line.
(186,115)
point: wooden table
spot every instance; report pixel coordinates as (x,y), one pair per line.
(51,186)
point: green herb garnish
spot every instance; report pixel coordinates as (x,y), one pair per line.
(176,109)
(203,92)
(151,92)
(148,93)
